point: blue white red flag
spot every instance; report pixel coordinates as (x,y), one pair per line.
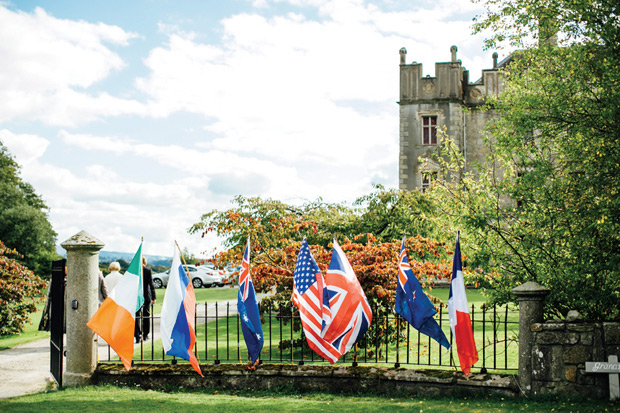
(350,312)
(248,309)
(177,315)
(413,304)
(310,297)
(460,321)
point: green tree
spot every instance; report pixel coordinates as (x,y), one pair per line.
(24,223)
(545,205)
(390,214)
(19,290)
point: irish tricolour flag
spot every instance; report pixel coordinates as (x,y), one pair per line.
(460,322)
(115,320)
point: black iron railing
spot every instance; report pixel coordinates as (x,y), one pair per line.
(219,340)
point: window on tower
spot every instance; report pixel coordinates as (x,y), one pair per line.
(427,179)
(429,130)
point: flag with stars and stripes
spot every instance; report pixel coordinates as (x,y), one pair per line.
(310,297)
(413,304)
(248,309)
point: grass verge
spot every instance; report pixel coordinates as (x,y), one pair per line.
(109,398)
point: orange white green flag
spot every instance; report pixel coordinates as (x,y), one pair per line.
(114,321)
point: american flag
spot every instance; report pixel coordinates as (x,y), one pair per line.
(310,297)
(351,313)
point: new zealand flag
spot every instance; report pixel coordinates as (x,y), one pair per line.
(413,304)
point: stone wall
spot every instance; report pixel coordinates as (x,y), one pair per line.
(346,379)
(560,350)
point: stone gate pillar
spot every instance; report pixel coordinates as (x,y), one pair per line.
(531,297)
(81,302)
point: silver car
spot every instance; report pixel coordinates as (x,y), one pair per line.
(201,276)
(160,279)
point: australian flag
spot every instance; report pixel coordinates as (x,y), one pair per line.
(248,309)
(350,312)
(413,304)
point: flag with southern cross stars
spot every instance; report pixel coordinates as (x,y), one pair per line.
(412,303)
(248,309)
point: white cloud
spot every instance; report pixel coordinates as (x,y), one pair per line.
(114,208)
(47,63)
(26,148)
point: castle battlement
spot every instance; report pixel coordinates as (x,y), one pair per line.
(451,81)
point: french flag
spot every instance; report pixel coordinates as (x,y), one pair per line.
(458,310)
(177,315)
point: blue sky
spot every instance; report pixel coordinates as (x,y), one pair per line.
(133,118)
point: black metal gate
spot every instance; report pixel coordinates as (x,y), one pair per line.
(57,309)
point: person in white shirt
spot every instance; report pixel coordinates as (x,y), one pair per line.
(113,277)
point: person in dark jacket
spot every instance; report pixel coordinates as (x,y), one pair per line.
(143,324)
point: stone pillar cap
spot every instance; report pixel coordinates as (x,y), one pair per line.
(82,240)
(530,289)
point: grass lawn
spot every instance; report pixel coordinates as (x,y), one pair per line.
(109,398)
(202,295)
(31,331)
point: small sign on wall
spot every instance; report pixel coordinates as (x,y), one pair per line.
(611,367)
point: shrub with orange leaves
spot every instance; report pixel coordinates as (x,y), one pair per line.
(19,289)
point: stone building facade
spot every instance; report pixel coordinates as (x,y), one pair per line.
(431,103)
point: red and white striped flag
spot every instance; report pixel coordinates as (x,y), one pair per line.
(460,322)
(310,297)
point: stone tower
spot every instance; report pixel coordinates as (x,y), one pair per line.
(431,103)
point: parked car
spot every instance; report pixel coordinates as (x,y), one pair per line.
(201,276)
(161,279)
(231,274)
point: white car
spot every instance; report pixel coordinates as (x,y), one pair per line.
(160,279)
(201,276)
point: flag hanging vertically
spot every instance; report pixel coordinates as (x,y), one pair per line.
(310,297)
(350,312)
(248,309)
(115,320)
(177,315)
(413,304)
(458,310)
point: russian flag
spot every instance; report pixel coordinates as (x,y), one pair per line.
(115,320)
(458,310)
(177,315)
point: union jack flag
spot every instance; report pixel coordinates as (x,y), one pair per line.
(244,273)
(350,312)
(310,297)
